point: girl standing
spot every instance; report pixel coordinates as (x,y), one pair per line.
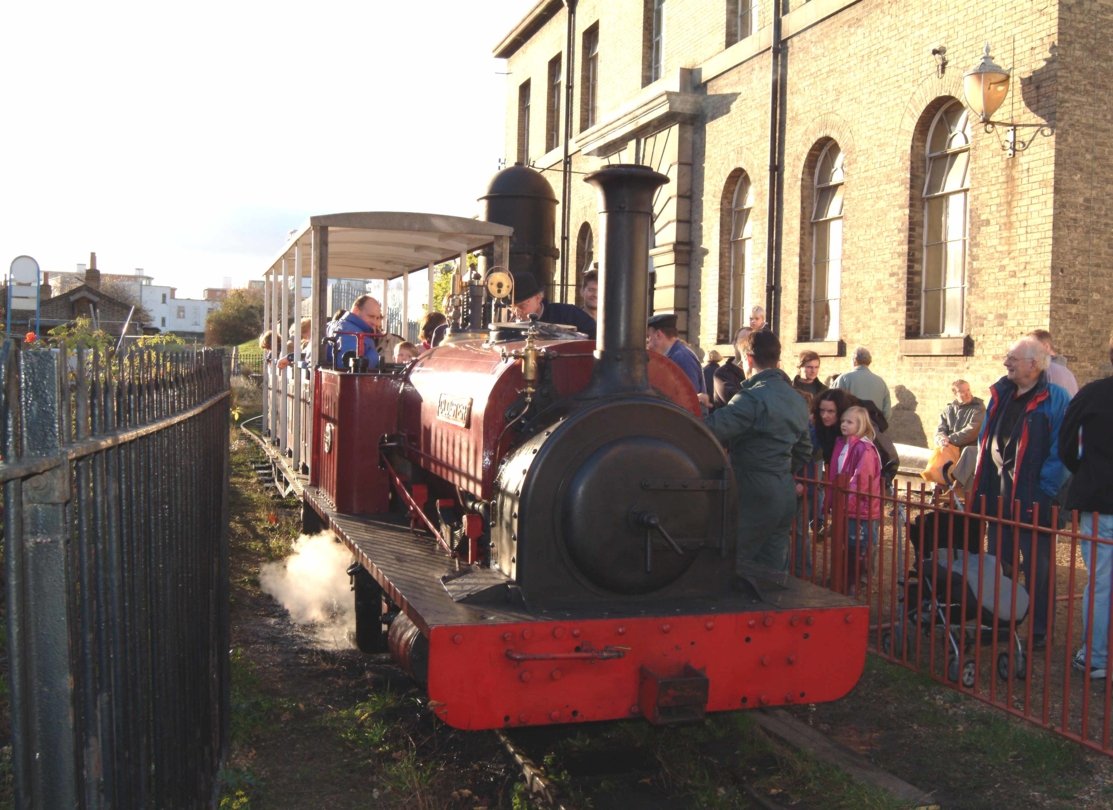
(855,456)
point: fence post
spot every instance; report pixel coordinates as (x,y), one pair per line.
(42,676)
(838,492)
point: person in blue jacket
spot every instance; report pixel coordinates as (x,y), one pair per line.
(355,334)
(661,336)
(1019,469)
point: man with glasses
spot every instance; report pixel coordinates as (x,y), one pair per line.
(1019,470)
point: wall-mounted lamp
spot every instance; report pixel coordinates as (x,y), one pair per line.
(985,86)
(940,54)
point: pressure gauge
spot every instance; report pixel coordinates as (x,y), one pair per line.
(500,283)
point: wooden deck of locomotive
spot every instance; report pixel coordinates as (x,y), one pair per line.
(411,569)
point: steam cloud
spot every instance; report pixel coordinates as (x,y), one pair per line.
(312,584)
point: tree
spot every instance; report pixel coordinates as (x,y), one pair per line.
(238,318)
(126,292)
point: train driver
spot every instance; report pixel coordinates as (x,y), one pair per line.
(362,324)
(529,299)
(661,336)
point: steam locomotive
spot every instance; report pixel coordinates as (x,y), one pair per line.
(543,530)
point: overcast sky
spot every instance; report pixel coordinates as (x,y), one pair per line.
(188,140)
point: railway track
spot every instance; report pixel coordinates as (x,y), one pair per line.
(564,769)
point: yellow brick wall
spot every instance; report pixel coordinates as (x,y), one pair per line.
(862,73)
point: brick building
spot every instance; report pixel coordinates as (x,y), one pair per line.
(824,165)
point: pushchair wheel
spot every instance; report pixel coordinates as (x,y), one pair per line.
(896,642)
(1020,662)
(968,672)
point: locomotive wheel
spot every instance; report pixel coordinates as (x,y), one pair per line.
(370,633)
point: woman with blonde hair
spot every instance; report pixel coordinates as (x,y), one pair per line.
(855,461)
(728,378)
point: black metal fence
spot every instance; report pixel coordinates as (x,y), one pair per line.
(115,476)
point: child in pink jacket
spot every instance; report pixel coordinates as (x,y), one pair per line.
(856,456)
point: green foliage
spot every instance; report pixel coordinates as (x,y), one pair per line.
(366,724)
(166,339)
(79,334)
(236,788)
(442,283)
(239,318)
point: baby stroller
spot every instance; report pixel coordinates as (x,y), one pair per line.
(960,591)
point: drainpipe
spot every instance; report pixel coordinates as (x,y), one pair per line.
(566,165)
(776,190)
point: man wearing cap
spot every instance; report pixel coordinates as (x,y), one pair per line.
(529,299)
(662,337)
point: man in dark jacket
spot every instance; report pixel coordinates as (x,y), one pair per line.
(765,428)
(1086,447)
(1019,469)
(529,299)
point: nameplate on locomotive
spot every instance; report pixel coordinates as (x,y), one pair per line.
(454,410)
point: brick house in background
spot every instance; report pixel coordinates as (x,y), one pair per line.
(88,300)
(824,165)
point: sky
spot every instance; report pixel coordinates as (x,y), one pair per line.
(190,139)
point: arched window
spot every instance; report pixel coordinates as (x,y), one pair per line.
(945,202)
(735,253)
(741,245)
(585,257)
(826,279)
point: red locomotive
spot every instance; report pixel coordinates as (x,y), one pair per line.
(544,530)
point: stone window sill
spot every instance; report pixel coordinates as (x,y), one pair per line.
(824,348)
(936,347)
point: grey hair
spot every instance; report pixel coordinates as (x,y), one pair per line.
(1034,349)
(862,356)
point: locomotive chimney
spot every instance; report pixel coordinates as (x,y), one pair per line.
(625,217)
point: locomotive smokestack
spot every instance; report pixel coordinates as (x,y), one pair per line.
(626,215)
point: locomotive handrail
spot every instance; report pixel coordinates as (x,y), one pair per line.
(588,653)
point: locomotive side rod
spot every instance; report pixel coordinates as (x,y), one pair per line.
(415,509)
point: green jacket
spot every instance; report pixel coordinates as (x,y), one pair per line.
(765,430)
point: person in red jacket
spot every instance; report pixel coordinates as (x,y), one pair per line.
(856,457)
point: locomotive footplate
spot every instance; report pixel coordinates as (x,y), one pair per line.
(493,665)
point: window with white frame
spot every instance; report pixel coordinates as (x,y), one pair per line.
(552,107)
(946,201)
(827,213)
(523,123)
(654,28)
(741,19)
(589,76)
(741,244)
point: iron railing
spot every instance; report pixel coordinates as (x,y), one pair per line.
(959,615)
(115,476)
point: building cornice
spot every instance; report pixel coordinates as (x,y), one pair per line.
(666,102)
(544,11)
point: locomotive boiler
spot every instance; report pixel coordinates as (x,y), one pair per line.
(543,530)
